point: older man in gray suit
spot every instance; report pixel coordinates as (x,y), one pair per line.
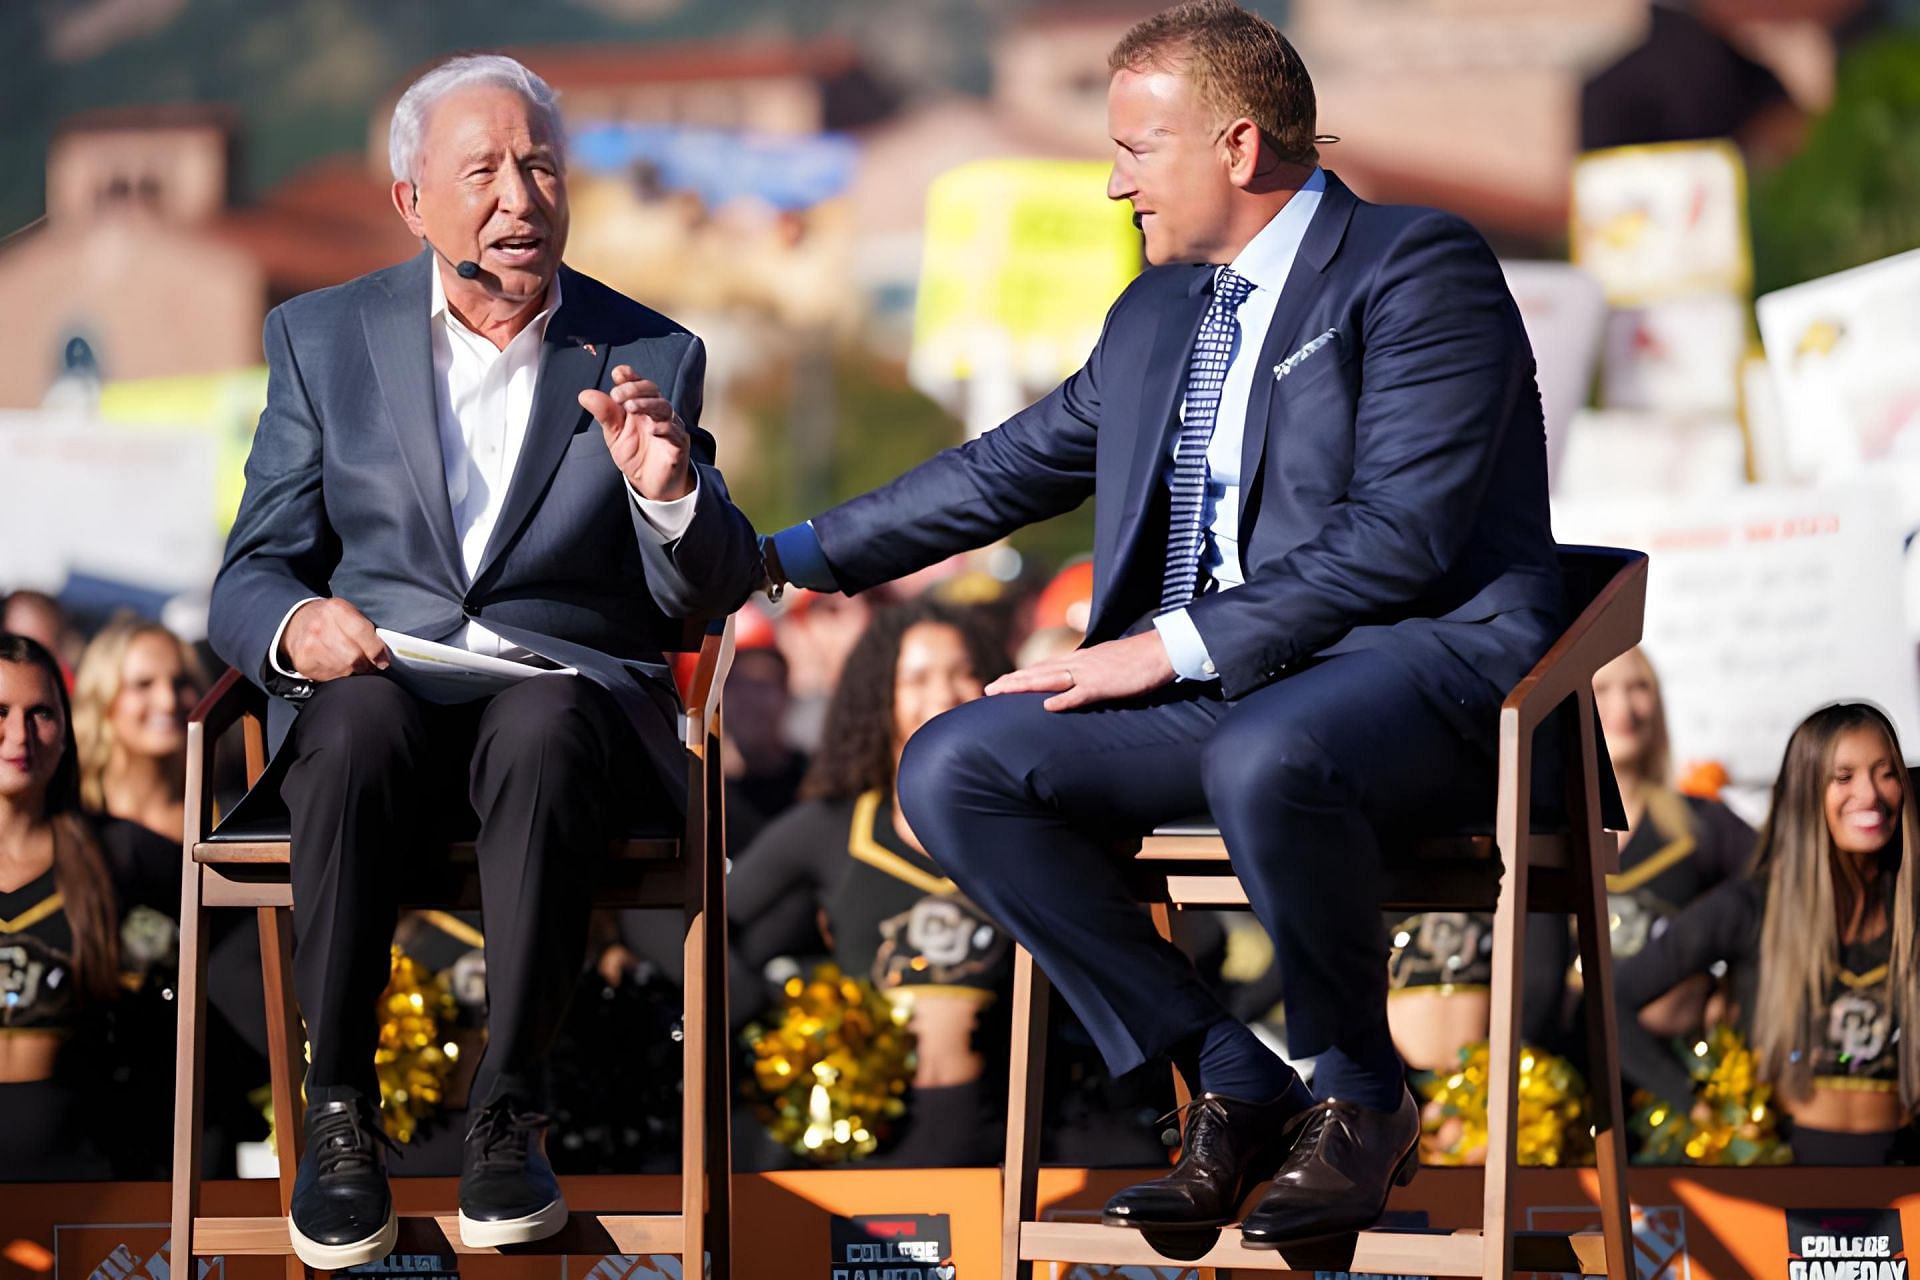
(428,463)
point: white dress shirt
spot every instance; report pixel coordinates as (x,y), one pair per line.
(483,400)
(1266,262)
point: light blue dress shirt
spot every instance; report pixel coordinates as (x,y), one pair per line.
(1266,261)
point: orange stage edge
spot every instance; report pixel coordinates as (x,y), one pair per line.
(1689,1224)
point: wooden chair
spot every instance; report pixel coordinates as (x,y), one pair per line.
(1513,869)
(231,866)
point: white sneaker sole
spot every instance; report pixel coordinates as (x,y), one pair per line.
(494,1233)
(336,1257)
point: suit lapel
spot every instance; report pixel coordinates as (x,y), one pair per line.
(568,366)
(402,355)
(1165,380)
(1304,281)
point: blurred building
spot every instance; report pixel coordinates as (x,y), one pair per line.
(785,87)
(143,255)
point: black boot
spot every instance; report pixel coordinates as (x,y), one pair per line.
(1344,1161)
(1230,1147)
(508,1194)
(342,1208)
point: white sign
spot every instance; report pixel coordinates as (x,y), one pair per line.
(1563,309)
(83,497)
(1678,356)
(1611,452)
(1762,605)
(1845,354)
(1662,221)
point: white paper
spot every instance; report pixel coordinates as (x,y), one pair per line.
(442,673)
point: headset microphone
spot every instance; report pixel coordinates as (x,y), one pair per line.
(466,268)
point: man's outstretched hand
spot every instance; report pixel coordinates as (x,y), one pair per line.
(1106,672)
(648,441)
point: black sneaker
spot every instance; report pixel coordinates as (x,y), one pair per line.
(508,1194)
(342,1208)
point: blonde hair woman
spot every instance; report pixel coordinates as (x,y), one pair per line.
(1676,847)
(1821,942)
(136,685)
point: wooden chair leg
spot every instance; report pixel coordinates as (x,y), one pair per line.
(1026,1107)
(693,1100)
(1512,828)
(1589,889)
(189,1066)
(285,1035)
(704,1148)
(719,1057)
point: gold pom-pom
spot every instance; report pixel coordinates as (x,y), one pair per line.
(1552,1129)
(830,1074)
(1732,1120)
(414,1058)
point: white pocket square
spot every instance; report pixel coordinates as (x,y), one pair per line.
(1288,365)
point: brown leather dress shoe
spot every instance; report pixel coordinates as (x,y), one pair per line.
(1342,1161)
(1230,1147)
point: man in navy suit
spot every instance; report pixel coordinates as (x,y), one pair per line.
(429,463)
(1321,558)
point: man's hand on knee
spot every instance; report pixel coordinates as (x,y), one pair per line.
(1105,672)
(328,639)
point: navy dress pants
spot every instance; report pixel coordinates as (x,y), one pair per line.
(1034,814)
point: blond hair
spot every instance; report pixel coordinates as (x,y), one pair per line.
(1656,758)
(1808,898)
(1238,64)
(95,686)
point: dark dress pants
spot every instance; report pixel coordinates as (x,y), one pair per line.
(1035,813)
(546,772)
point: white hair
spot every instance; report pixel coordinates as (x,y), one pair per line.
(410,113)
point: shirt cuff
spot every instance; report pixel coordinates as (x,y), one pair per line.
(668,519)
(1185,649)
(802,560)
(273,649)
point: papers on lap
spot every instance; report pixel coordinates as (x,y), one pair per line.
(441,673)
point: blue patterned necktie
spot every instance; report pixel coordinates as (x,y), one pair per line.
(1206,374)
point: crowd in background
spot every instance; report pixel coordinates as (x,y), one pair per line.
(1712,927)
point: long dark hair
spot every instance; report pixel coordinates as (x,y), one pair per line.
(1811,896)
(79,869)
(856,747)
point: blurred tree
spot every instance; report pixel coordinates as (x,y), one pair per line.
(882,427)
(1852,194)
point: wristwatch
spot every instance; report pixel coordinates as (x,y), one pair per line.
(770,568)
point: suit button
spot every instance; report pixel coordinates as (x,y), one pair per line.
(469,611)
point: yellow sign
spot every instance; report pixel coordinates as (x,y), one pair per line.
(1022,259)
(225,406)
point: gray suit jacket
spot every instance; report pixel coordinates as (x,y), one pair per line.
(346,496)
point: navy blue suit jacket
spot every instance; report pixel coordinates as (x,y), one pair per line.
(1394,490)
(347,496)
